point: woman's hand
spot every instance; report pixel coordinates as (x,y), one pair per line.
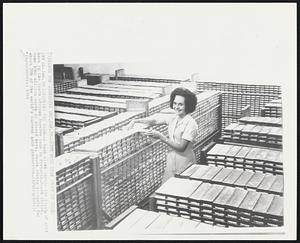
(180,147)
(153,133)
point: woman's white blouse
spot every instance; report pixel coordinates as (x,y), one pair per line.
(186,129)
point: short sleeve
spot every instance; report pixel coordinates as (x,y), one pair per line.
(190,131)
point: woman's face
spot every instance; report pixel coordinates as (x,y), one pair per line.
(179,105)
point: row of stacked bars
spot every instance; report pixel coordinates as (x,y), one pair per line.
(257,181)
(237,96)
(95,90)
(240,88)
(157,87)
(149,92)
(131,169)
(272,109)
(143,79)
(246,158)
(262,121)
(74,120)
(68,117)
(139,220)
(89,104)
(218,204)
(266,135)
(83,112)
(63,85)
(256,135)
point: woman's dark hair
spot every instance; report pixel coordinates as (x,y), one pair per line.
(190,99)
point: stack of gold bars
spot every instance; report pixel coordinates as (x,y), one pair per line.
(218,204)
(246,158)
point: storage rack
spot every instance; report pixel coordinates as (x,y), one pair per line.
(246,158)
(63,85)
(262,121)
(165,87)
(268,136)
(114,146)
(218,205)
(96,91)
(75,121)
(144,79)
(240,88)
(130,88)
(260,182)
(91,97)
(90,104)
(144,91)
(129,167)
(237,96)
(74,188)
(130,180)
(84,112)
(234,102)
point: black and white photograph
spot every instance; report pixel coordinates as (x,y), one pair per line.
(150,121)
(209,154)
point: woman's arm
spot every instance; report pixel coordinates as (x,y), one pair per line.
(147,120)
(180,147)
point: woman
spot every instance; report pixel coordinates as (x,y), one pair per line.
(182,130)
